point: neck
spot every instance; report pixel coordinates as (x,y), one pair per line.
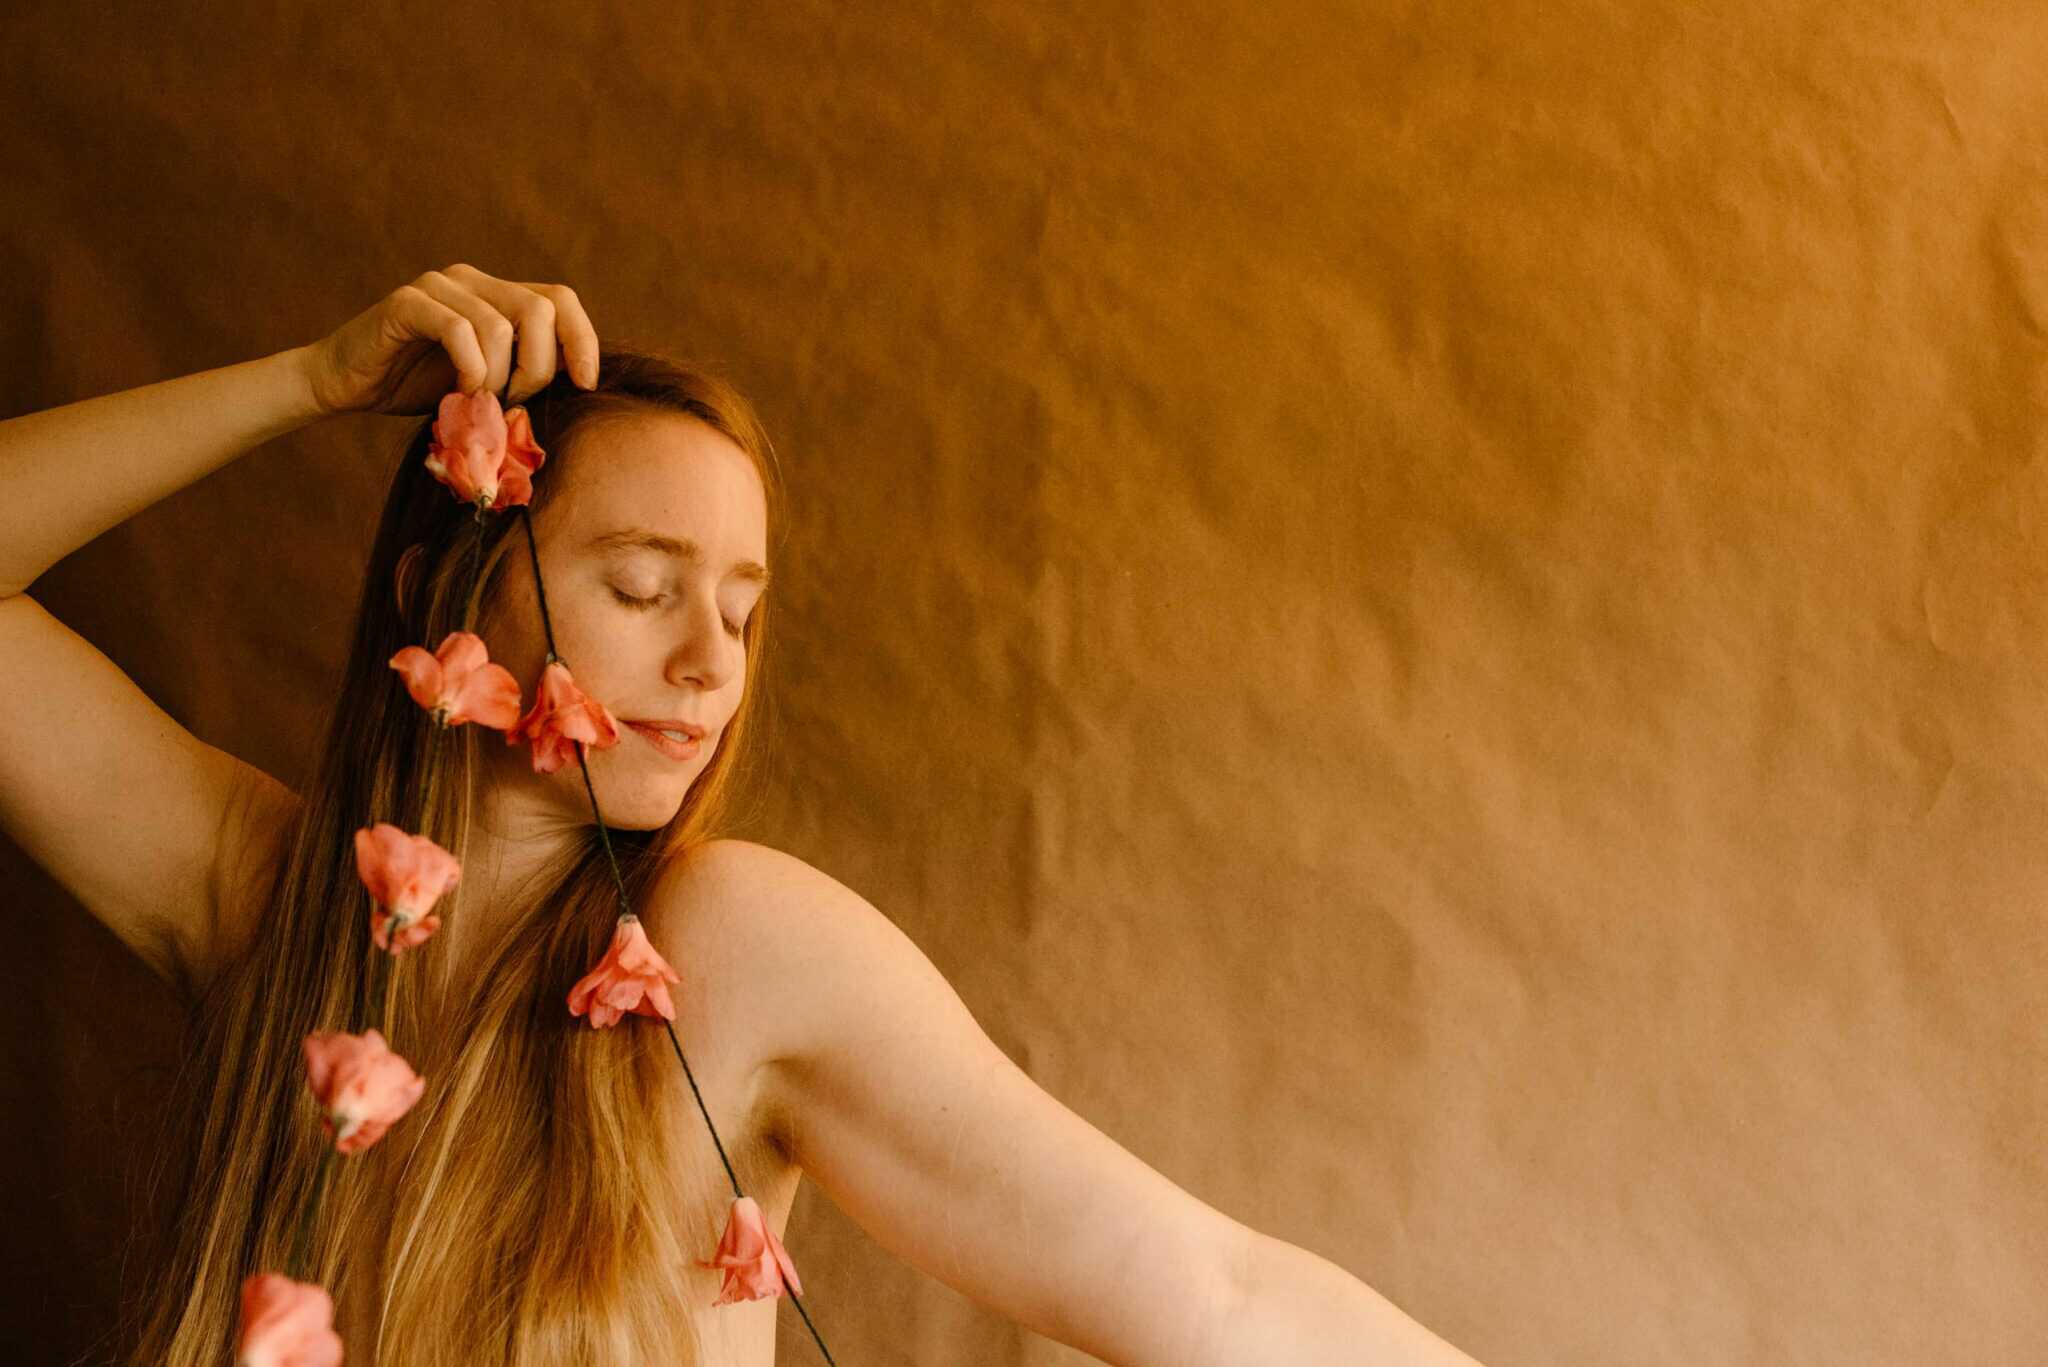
(509,848)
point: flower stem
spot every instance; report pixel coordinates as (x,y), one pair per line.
(476,552)
(296,1268)
(433,767)
(380,989)
(626,909)
(386,969)
(469,588)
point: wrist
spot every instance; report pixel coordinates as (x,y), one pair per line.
(300,395)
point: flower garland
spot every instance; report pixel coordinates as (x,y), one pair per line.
(487,457)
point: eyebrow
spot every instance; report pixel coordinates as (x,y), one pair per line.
(639,538)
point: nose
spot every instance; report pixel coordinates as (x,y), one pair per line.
(703,654)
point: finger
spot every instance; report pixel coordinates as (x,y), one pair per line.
(494,332)
(534,316)
(425,316)
(572,325)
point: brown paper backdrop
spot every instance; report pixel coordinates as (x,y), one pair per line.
(1435,615)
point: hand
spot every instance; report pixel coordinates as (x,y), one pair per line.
(447,330)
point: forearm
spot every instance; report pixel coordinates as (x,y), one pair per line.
(1301,1310)
(69,473)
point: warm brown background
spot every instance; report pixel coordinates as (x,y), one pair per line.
(1435,615)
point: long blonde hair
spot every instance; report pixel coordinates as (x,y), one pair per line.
(546,1215)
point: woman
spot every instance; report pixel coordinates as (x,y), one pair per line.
(552,1197)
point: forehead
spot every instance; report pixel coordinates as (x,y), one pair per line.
(667,474)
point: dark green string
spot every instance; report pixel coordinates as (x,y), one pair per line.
(381,974)
(626,907)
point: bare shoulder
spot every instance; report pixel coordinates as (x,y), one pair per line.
(730,896)
(780,944)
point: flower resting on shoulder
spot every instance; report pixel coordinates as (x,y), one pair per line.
(631,977)
(562,714)
(756,1265)
(458,682)
(286,1324)
(406,875)
(484,455)
(362,1087)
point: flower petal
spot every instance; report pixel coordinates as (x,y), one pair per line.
(422,673)
(630,977)
(561,715)
(286,1324)
(362,1087)
(407,874)
(756,1265)
(467,451)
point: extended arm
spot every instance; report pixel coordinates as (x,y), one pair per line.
(1303,1310)
(952,1158)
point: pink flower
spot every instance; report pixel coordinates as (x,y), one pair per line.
(522,457)
(562,714)
(482,453)
(458,682)
(286,1324)
(755,1263)
(406,875)
(362,1087)
(632,976)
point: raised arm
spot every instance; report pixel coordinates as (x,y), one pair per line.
(952,1158)
(122,806)
(67,474)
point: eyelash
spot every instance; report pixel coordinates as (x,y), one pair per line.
(642,604)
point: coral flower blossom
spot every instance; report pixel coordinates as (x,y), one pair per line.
(631,977)
(562,714)
(482,453)
(756,1265)
(406,875)
(362,1087)
(286,1324)
(458,682)
(523,456)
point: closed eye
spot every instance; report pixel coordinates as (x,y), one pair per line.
(642,604)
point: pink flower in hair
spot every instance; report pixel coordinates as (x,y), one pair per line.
(631,977)
(756,1265)
(458,682)
(522,457)
(562,714)
(286,1324)
(362,1087)
(483,454)
(406,875)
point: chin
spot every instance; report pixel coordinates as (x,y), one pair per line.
(647,812)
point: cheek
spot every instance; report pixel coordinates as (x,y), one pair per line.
(612,659)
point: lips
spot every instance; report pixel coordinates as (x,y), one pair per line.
(672,749)
(689,729)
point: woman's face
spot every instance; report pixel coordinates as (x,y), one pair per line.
(653,554)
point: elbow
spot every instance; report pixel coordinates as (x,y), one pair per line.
(1290,1305)
(1240,1268)
(1220,1334)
